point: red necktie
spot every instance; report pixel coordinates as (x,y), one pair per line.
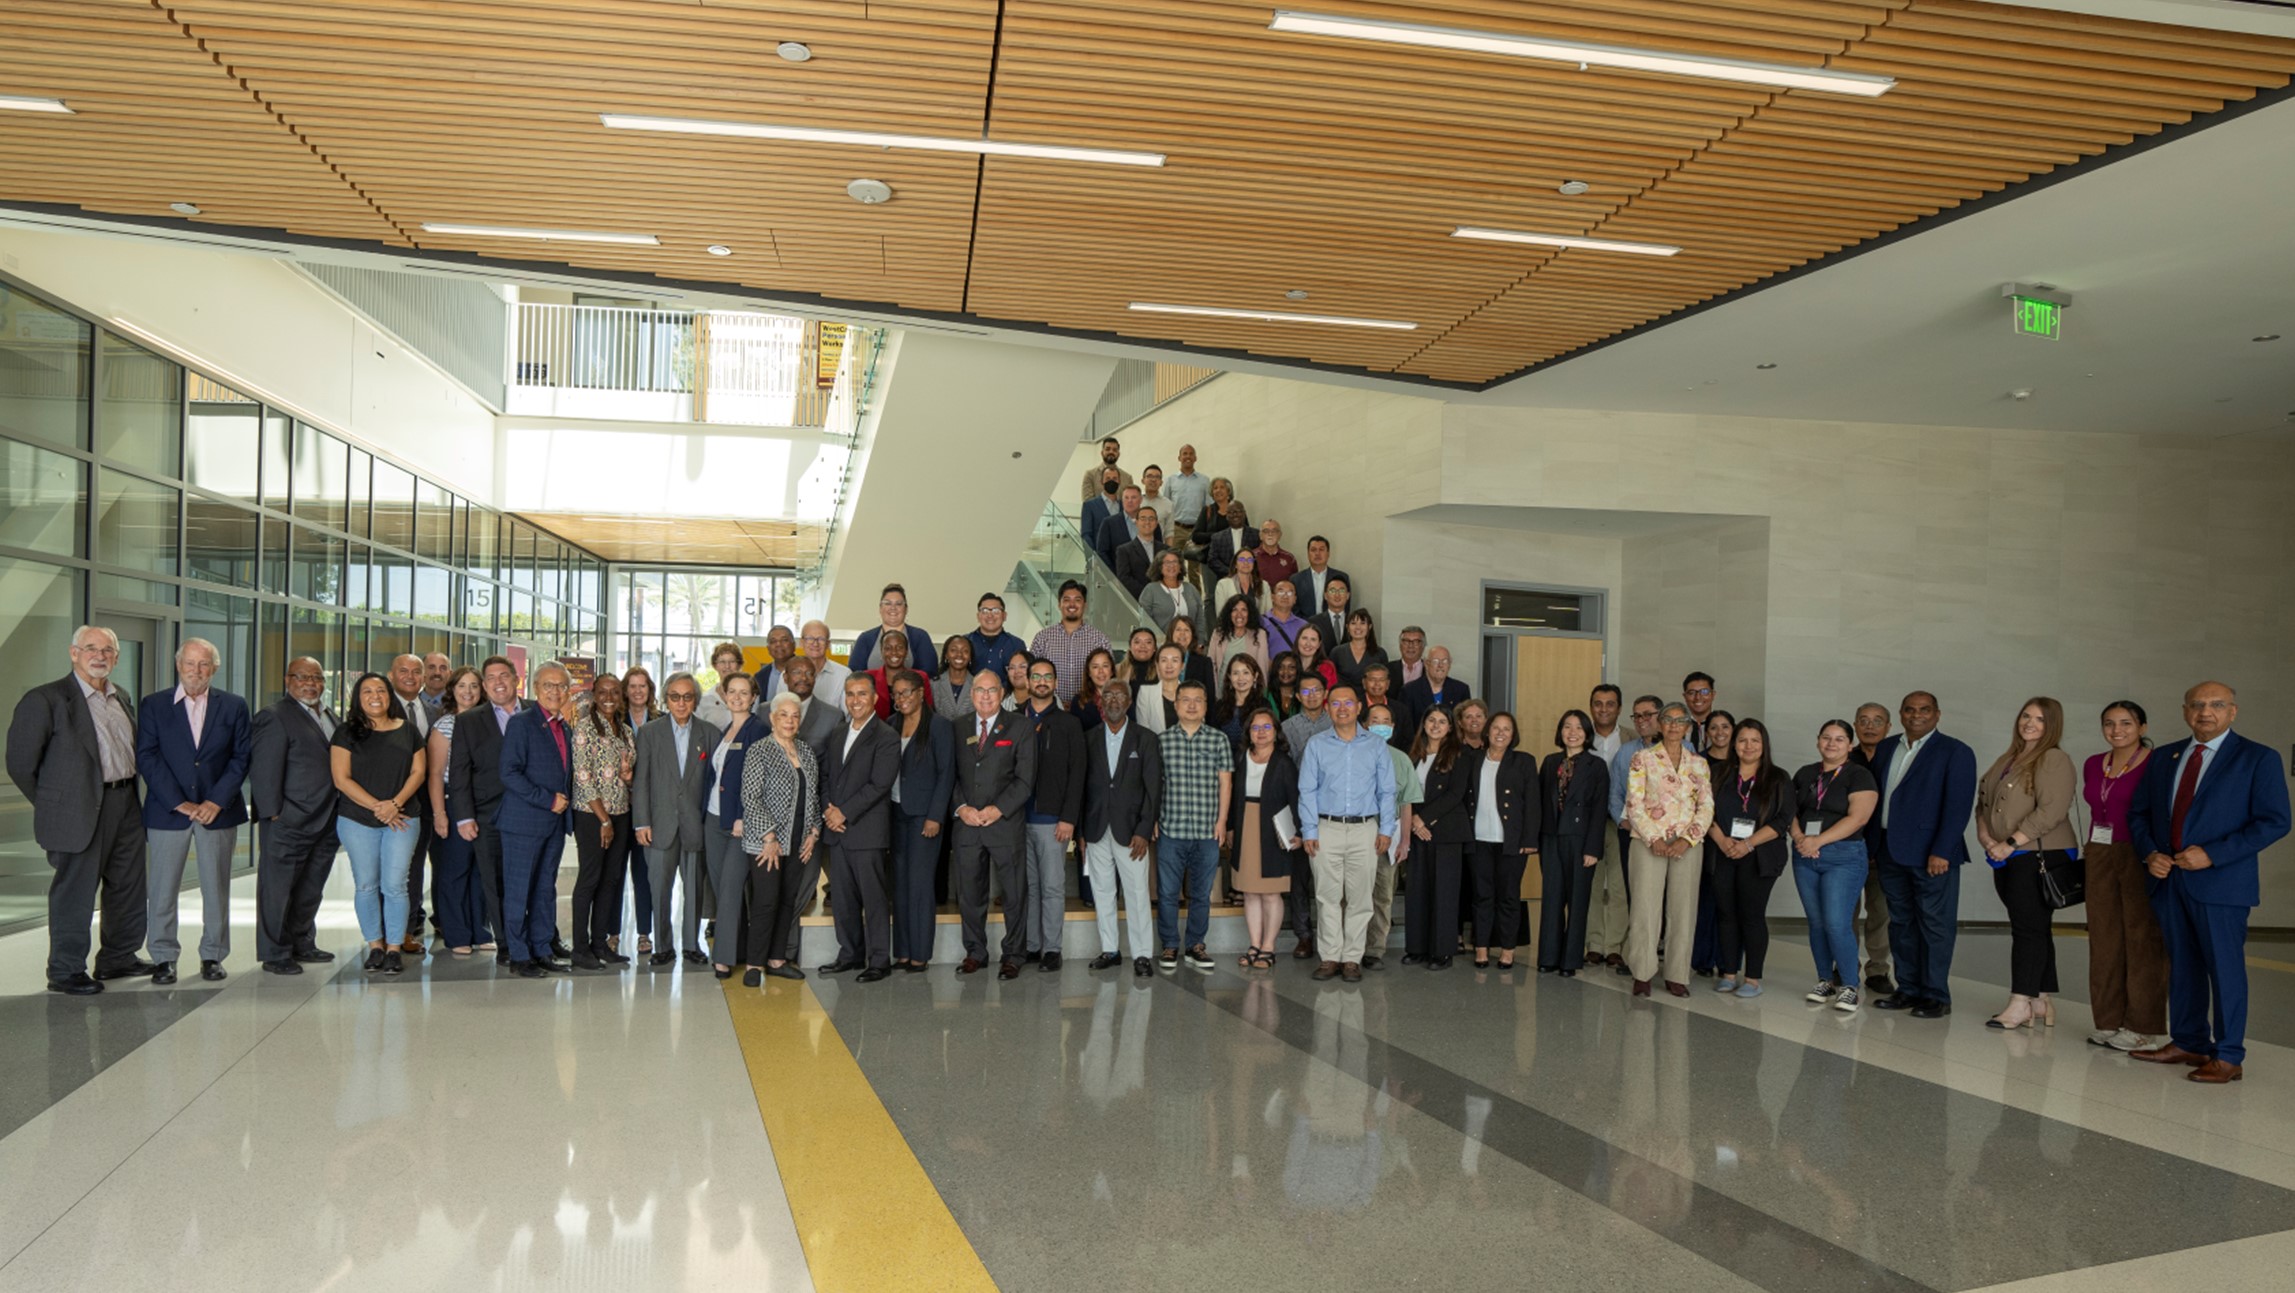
(2185,787)
(558,734)
(983,737)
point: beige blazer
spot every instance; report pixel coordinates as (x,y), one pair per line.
(2037,803)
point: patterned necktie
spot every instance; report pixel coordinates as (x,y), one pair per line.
(2185,787)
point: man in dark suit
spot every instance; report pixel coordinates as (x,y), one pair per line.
(1055,806)
(1135,560)
(1235,535)
(474,787)
(820,720)
(2206,808)
(1433,687)
(995,773)
(1123,794)
(1315,578)
(1119,529)
(665,811)
(1105,502)
(406,678)
(290,773)
(1918,840)
(535,815)
(192,747)
(71,753)
(858,766)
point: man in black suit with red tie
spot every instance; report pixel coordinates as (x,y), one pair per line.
(995,774)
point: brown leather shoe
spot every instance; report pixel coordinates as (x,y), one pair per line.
(971,965)
(2215,1073)
(1352,972)
(1641,987)
(1677,989)
(1305,951)
(2168,1054)
(1008,970)
(1327,970)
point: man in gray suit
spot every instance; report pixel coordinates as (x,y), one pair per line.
(665,811)
(995,774)
(290,775)
(858,767)
(820,720)
(71,753)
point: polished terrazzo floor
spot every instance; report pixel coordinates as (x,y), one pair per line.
(651,1129)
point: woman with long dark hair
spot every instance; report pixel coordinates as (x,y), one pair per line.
(1507,820)
(1265,858)
(1574,787)
(1359,649)
(1443,830)
(2024,822)
(1099,671)
(2127,957)
(1315,656)
(605,761)
(378,768)
(1238,633)
(1833,799)
(1244,690)
(1283,683)
(642,704)
(1745,851)
(454,884)
(950,694)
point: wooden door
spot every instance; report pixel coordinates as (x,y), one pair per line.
(1552,676)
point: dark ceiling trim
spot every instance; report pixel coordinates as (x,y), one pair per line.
(172,229)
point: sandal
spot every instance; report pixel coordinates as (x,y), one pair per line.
(645,946)
(1267,959)
(1249,958)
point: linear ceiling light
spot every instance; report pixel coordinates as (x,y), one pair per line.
(1269,316)
(1565,240)
(23,103)
(1564,51)
(878,139)
(543,235)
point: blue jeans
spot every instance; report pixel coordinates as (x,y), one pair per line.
(1830,884)
(379,859)
(1193,862)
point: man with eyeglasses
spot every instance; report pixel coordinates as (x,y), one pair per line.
(665,813)
(474,789)
(1609,914)
(828,675)
(1872,724)
(892,617)
(1697,693)
(992,647)
(71,753)
(1348,817)
(291,779)
(1313,719)
(192,747)
(1055,806)
(535,817)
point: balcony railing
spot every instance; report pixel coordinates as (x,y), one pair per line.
(720,366)
(1055,553)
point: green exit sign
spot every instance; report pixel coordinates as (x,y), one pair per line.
(2036,318)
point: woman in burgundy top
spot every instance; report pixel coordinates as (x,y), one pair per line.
(2127,961)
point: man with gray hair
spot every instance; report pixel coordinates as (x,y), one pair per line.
(406,678)
(536,814)
(71,753)
(193,747)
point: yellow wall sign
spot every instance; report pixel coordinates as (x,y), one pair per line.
(829,354)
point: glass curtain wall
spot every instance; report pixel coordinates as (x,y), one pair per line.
(667,618)
(152,499)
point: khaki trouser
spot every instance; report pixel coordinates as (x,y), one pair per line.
(1346,863)
(1665,894)
(1606,917)
(1873,927)
(1383,903)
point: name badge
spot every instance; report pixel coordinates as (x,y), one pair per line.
(1814,826)
(2100,834)
(1741,828)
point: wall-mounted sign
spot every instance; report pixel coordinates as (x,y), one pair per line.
(830,353)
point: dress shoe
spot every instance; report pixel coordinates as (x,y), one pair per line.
(502,956)
(1641,987)
(2169,1054)
(212,971)
(314,957)
(1142,968)
(585,961)
(1352,972)
(784,971)
(1305,951)
(163,973)
(912,967)
(373,963)
(612,957)
(79,985)
(1326,971)
(1106,961)
(1881,984)
(282,967)
(695,957)
(559,950)
(556,966)
(1896,1001)
(1677,989)
(873,974)
(1374,962)
(972,965)
(1931,1010)
(529,970)
(1051,963)
(722,974)
(839,967)
(1413,958)
(1033,957)
(132,970)
(1010,969)
(2215,1073)
(1438,963)
(391,964)
(1567,973)
(662,958)
(752,977)
(412,947)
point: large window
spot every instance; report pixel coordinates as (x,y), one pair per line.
(668,619)
(39,607)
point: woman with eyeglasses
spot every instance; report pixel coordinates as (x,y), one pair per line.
(1669,806)
(2024,821)
(1265,858)
(721,823)
(1834,798)
(1745,852)
(1574,784)
(379,768)
(1169,594)
(641,705)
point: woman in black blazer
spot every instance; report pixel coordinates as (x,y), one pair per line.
(1442,827)
(1506,824)
(920,815)
(1574,790)
(1266,784)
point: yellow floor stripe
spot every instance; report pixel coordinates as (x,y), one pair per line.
(2261,963)
(866,1212)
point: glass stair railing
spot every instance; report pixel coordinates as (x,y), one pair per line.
(1054,554)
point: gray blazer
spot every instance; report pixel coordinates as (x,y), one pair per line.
(822,723)
(1163,605)
(56,763)
(664,797)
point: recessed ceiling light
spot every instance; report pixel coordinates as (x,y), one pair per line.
(1296,294)
(1565,240)
(27,103)
(1269,316)
(183,208)
(1564,51)
(719,249)
(869,192)
(794,51)
(1765,367)
(2268,336)
(879,139)
(1572,188)
(543,235)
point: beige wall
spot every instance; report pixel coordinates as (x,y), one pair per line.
(1697,599)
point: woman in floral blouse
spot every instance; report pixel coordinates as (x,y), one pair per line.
(605,757)
(1669,805)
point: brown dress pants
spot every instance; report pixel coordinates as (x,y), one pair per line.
(2127,959)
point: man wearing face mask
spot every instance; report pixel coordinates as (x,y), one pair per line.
(1101,505)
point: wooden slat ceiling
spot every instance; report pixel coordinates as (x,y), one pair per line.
(1333,167)
(687,540)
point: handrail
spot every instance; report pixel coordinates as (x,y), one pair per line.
(736,367)
(1056,553)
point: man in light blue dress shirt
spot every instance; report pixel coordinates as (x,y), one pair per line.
(1347,816)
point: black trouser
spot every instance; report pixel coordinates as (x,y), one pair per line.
(1567,890)
(1497,895)
(422,845)
(858,899)
(1741,914)
(598,881)
(112,866)
(487,851)
(1433,875)
(772,895)
(291,869)
(2032,938)
(1301,900)
(808,884)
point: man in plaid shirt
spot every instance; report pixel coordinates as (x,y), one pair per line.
(1198,774)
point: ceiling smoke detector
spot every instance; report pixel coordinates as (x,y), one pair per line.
(183,208)
(869,192)
(1572,188)
(794,51)
(1296,294)
(718,249)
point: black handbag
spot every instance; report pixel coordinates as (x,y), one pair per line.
(2063,878)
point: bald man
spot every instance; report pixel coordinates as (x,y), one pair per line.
(407,675)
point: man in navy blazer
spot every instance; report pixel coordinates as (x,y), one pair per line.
(1315,578)
(193,745)
(2205,809)
(1433,688)
(534,818)
(1918,840)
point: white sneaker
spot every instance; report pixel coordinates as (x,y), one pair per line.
(2125,1040)
(1847,1001)
(1822,993)
(2104,1036)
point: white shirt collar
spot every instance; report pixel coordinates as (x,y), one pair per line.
(181,695)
